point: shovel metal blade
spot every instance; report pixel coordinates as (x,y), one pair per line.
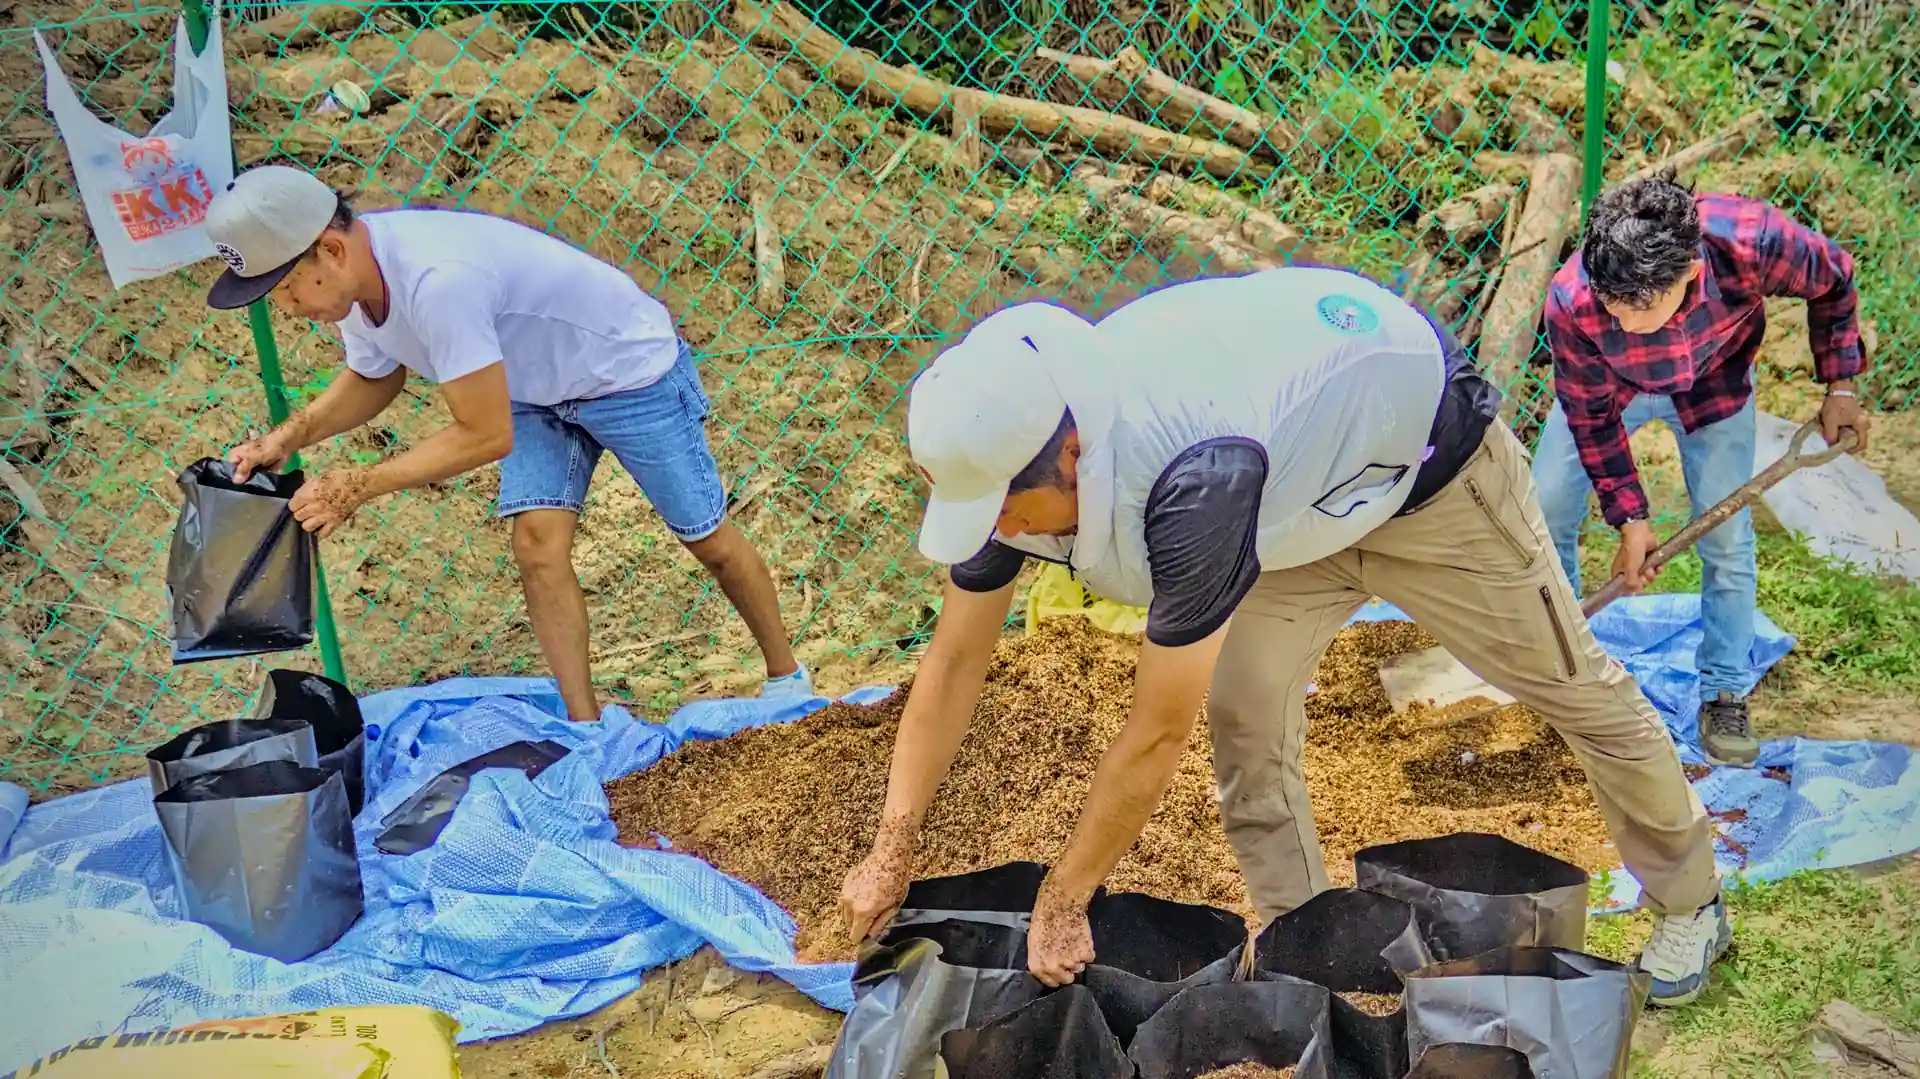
(1432,679)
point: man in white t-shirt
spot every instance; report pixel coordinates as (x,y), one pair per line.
(545,357)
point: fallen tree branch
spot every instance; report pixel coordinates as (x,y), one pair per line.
(1513,319)
(1218,239)
(782,27)
(769,257)
(1254,226)
(37,524)
(1477,311)
(1858,1033)
(1734,138)
(1128,76)
(1475,210)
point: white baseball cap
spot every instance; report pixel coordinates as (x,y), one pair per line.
(261,224)
(981,412)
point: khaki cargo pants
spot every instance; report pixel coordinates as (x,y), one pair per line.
(1475,568)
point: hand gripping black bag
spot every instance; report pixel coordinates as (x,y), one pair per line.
(1475,892)
(1571,1014)
(229,743)
(1276,1021)
(240,571)
(922,981)
(1351,941)
(339,734)
(1062,1035)
(264,855)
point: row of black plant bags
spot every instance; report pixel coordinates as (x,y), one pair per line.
(258,817)
(1476,936)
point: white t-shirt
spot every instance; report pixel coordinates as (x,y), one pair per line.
(465,290)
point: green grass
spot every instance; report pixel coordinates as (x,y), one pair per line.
(1853,631)
(1798,944)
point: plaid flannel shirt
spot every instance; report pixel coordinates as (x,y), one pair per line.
(1703,357)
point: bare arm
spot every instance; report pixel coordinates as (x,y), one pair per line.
(939,711)
(350,400)
(1169,686)
(481,432)
(1133,776)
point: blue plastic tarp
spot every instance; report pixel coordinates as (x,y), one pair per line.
(526,910)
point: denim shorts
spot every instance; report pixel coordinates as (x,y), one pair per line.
(657,433)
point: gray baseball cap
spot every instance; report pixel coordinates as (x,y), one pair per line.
(261,225)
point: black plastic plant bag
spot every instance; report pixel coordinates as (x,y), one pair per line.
(1455,1060)
(1475,892)
(1571,1014)
(1062,1035)
(921,982)
(1276,1021)
(1002,895)
(240,571)
(416,823)
(230,743)
(1147,950)
(338,731)
(264,855)
(1351,941)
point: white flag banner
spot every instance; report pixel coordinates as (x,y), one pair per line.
(147,195)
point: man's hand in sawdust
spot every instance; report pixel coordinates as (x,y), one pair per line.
(1060,940)
(330,500)
(873,891)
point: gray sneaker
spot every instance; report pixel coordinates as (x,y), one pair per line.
(1682,949)
(1726,733)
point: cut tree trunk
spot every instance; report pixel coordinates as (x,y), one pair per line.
(784,28)
(1735,138)
(1513,318)
(1128,77)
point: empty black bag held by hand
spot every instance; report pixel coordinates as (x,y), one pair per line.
(264,855)
(240,572)
(339,734)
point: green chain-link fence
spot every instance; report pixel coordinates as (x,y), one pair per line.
(820,191)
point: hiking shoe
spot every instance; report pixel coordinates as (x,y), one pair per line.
(1683,946)
(788,686)
(1725,732)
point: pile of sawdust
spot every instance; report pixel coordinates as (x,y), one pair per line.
(1250,1071)
(1375,1004)
(791,808)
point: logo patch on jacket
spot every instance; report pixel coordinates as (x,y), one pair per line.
(1347,314)
(1373,482)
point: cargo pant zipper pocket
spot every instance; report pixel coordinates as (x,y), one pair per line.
(1559,631)
(1493,519)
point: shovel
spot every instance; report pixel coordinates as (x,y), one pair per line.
(1432,678)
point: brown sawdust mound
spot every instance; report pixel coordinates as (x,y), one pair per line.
(1250,1070)
(791,808)
(1375,1004)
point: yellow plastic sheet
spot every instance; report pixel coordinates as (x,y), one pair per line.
(1057,594)
(397,1042)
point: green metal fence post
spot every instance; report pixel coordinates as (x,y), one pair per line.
(1595,159)
(276,388)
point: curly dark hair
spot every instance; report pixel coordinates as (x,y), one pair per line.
(1642,237)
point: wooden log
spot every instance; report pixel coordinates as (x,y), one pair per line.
(783,27)
(1735,138)
(1536,131)
(1860,1034)
(1513,318)
(1128,77)
(1473,212)
(769,257)
(1253,226)
(1217,239)
(968,153)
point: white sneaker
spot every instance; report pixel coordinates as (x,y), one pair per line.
(788,686)
(1683,946)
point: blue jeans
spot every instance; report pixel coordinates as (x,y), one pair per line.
(1716,460)
(658,433)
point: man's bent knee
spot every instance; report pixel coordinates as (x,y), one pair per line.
(542,546)
(719,550)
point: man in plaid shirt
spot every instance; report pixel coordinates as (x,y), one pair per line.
(1659,316)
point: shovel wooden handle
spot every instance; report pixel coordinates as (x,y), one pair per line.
(1790,462)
